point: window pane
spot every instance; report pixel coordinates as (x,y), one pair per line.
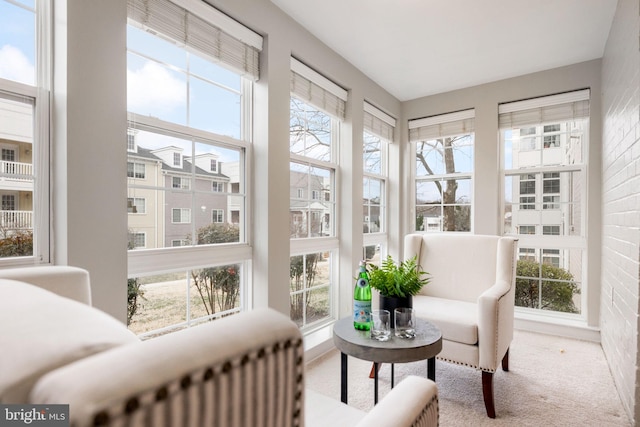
(310,288)
(310,217)
(549,279)
(214,109)
(372,156)
(546,199)
(18,42)
(182,200)
(310,131)
(372,207)
(17,176)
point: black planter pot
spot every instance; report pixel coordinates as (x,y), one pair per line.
(391,303)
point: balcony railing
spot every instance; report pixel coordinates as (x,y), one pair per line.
(16,220)
(16,170)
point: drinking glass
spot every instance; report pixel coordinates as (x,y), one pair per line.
(380,325)
(405,322)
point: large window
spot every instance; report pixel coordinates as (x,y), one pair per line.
(378,133)
(24,131)
(443,147)
(189,102)
(316,109)
(544,142)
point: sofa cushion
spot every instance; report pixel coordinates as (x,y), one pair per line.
(41,331)
(323,411)
(457,320)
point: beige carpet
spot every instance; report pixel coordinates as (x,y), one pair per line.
(552,381)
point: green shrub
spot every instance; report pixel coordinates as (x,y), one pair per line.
(557,290)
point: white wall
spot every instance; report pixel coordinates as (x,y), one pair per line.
(621,203)
(487,180)
(89,157)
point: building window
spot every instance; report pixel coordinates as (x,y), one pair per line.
(136,170)
(443,147)
(217,215)
(545,188)
(188,103)
(136,205)
(217,187)
(180,215)
(131,142)
(317,108)
(138,240)
(181,182)
(25,40)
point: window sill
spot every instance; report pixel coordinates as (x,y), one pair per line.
(555,325)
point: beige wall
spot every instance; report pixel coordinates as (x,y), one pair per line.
(621,203)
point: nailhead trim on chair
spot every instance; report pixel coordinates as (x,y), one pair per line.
(163,395)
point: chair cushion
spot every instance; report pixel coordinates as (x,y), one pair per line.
(457,320)
(41,331)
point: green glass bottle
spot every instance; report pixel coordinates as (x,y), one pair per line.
(362,300)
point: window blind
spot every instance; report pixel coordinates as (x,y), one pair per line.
(378,122)
(451,124)
(317,90)
(548,109)
(199,26)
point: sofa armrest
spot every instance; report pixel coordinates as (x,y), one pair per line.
(413,402)
(66,281)
(245,367)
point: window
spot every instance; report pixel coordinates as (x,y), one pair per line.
(217,187)
(136,205)
(181,216)
(544,142)
(316,110)
(137,240)
(131,142)
(443,147)
(181,182)
(190,79)
(25,46)
(378,133)
(217,215)
(136,170)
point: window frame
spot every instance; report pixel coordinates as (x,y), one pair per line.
(39,96)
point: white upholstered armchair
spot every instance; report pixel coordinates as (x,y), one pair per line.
(470,298)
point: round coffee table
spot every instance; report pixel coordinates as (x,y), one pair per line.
(351,342)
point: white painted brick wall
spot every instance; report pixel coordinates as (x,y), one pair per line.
(621,204)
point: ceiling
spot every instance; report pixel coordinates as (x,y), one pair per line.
(414,48)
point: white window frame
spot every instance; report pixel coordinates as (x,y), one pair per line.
(441,126)
(185,215)
(134,203)
(550,110)
(217,216)
(149,262)
(38,95)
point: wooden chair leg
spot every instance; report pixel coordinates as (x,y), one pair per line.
(372,373)
(487,392)
(505,361)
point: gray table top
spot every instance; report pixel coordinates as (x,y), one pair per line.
(426,344)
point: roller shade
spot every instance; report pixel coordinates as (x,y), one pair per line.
(378,122)
(199,26)
(451,124)
(549,109)
(312,87)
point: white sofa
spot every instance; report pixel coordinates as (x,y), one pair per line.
(242,370)
(470,298)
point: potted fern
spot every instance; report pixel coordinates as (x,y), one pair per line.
(397,283)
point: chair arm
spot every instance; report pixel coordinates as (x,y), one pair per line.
(413,402)
(495,324)
(245,367)
(66,281)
